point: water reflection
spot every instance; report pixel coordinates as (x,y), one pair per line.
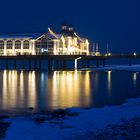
(63,89)
(67,89)
(134,78)
(4,89)
(109,82)
(13,93)
(31,89)
(60,89)
(21,86)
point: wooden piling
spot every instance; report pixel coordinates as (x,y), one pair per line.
(103,62)
(14,64)
(97,63)
(39,64)
(6,64)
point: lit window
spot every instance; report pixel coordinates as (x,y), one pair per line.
(17,44)
(26,44)
(9,44)
(1,44)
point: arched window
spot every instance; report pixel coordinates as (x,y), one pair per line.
(9,44)
(17,44)
(1,44)
(26,44)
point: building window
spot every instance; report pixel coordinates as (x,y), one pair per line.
(26,44)
(9,44)
(44,44)
(38,44)
(50,45)
(1,44)
(18,44)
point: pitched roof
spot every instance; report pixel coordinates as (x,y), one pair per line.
(51,36)
(21,35)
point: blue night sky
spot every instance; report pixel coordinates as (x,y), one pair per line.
(116,22)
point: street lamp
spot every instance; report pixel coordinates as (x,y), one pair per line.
(76,62)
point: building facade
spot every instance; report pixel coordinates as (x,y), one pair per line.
(67,42)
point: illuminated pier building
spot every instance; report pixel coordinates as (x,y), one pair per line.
(67,42)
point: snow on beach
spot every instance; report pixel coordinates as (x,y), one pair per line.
(110,122)
(134,68)
(71,126)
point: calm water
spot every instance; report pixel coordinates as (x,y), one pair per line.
(20,90)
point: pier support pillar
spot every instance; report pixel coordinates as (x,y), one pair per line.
(15,64)
(6,64)
(39,64)
(57,64)
(35,64)
(103,63)
(84,63)
(64,64)
(61,64)
(52,64)
(30,64)
(49,64)
(97,63)
(22,64)
(88,63)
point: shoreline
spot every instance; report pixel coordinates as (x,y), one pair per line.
(133,68)
(79,122)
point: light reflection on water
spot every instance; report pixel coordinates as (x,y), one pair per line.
(135,78)
(67,91)
(60,89)
(20,90)
(109,82)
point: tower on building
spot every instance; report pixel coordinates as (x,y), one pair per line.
(64,28)
(97,47)
(97,53)
(71,29)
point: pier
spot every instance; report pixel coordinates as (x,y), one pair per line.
(59,62)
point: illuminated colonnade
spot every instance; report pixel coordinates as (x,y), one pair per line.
(16,46)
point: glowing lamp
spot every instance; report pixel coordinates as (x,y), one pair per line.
(109,54)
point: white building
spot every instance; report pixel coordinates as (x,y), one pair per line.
(65,43)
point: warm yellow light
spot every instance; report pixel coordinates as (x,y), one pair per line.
(52,32)
(70,49)
(33,47)
(70,94)
(109,82)
(31,89)
(109,54)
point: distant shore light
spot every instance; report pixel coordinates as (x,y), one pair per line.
(134,54)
